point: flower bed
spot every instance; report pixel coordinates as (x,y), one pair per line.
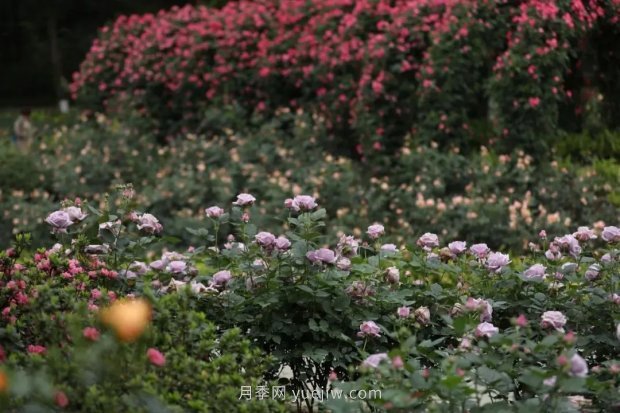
(106,320)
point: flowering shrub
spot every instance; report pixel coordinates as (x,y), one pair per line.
(375,70)
(433,324)
(502,199)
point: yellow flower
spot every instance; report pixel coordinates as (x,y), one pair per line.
(128,318)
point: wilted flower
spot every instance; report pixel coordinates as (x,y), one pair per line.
(428,241)
(75,213)
(392,275)
(584,234)
(214,212)
(578,366)
(569,243)
(422,315)
(244,200)
(343,264)
(375,231)
(114,227)
(97,249)
(369,329)
(553,319)
(374,360)
(479,250)
(347,246)
(593,272)
(60,221)
(611,234)
(301,203)
(149,224)
(479,304)
(358,289)
(486,330)
(497,261)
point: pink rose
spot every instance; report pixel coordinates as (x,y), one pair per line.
(611,234)
(374,360)
(75,214)
(324,255)
(60,221)
(214,212)
(343,264)
(265,239)
(428,241)
(156,357)
(347,246)
(301,203)
(479,304)
(177,267)
(584,234)
(375,231)
(457,247)
(422,315)
(244,200)
(392,275)
(282,243)
(369,329)
(389,248)
(479,250)
(553,319)
(578,366)
(403,312)
(497,261)
(486,330)
(149,224)
(536,271)
(221,278)
(36,349)
(91,333)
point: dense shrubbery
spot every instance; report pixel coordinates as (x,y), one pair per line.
(101,322)
(375,70)
(502,199)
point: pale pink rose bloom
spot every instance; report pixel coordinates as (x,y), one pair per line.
(244,200)
(375,231)
(611,234)
(486,330)
(214,212)
(553,319)
(369,329)
(374,360)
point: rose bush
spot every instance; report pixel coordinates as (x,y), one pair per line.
(375,70)
(503,199)
(432,324)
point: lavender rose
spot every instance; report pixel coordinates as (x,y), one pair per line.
(244,200)
(375,231)
(611,234)
(486,330)
(60,221)
(374,360)
(497,261)
(214,212)
(369,329)
(553,319)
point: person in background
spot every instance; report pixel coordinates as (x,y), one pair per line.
(23,131)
